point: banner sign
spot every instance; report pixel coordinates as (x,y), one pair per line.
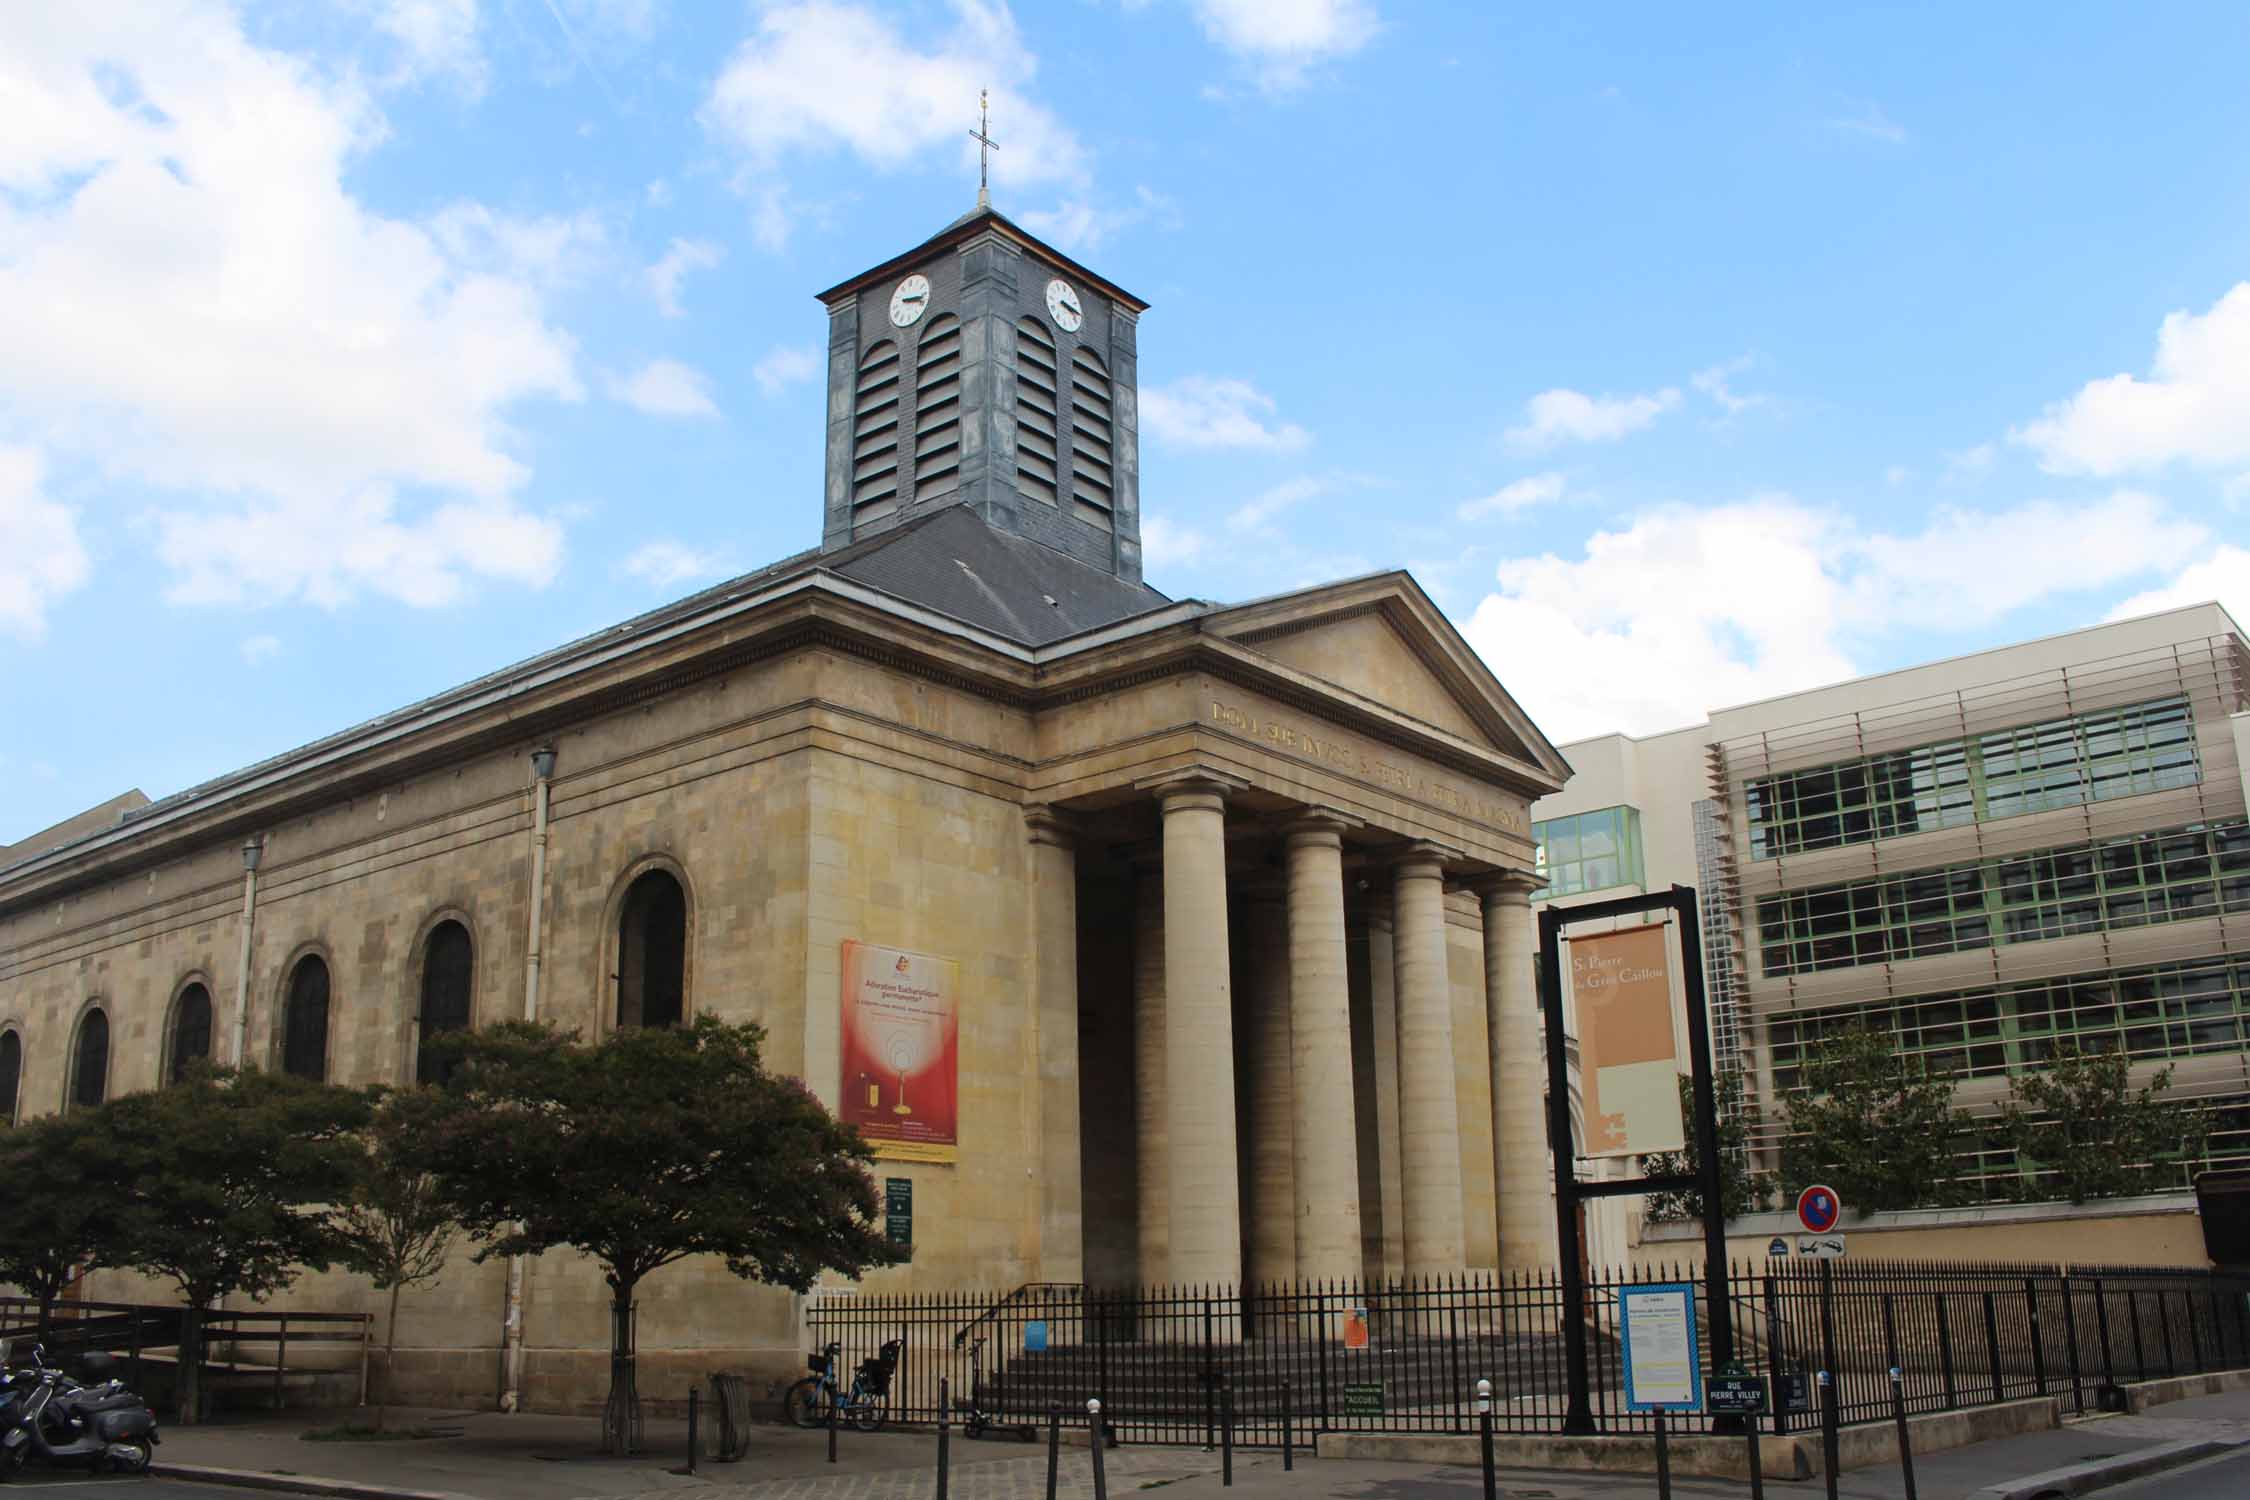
(1663,1367)
(1628,1063)
(901,1051)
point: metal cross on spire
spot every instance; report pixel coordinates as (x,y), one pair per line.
(986,145)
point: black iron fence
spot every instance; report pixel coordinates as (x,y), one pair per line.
(1406,1356)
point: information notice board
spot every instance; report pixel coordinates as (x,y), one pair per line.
(1663,1362)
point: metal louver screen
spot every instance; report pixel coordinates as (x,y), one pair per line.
(937,409)
(1091,482)
(875,434)
(1036,456)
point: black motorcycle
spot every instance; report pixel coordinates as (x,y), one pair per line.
(58,1420)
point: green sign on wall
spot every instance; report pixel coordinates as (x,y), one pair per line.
(1363,1398)
(898,1211)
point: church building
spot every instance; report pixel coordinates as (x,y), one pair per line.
(1149,940)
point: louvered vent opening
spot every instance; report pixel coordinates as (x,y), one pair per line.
(1036,454)
(1092,483)
(875,434)
(937,409)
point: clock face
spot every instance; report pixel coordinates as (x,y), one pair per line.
(910,301)
(1062,306)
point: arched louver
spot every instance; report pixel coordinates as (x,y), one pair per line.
(937,409)
(1092,482)
(1036,455)
(875,434)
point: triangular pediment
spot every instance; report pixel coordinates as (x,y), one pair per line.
(1381,639)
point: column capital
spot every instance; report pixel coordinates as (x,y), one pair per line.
(1507,887)
(1206,787)
(1424,857)
(1047,825)
(1319,824)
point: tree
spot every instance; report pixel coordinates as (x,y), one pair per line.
(223,1182)
(2081,1120)
(1874,1125)
(61,1219)
(1741,1190)
(396,1229)
(649,1146)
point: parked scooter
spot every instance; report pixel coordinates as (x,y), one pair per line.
(59,1421)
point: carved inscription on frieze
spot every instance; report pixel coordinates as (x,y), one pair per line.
(1351,759)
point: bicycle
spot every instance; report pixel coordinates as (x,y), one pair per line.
(813,1400)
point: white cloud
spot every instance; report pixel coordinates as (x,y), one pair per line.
(1207,411)
(1868,123)
(821,76)
(784,367)
(1896,475)
(666,564)
(1567,416)
(259,648)
(665,388)
(41,557)
(198,305)
(1258,512)
(1520,494)
(1079,223)
(1166,543)
(2224,576)
(1280,41)
(1684,610)
(680,258)
(434,37)
(1714,383)
(2194,407)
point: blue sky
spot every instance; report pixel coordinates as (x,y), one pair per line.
(348,352)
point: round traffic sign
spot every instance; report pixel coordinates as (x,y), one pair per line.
(1818,1209)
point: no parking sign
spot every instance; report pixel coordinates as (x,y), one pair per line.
(1818,1209)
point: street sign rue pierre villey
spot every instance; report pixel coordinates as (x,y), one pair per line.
(1734,1391)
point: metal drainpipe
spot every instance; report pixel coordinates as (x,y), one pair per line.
(253,850)
(542,770)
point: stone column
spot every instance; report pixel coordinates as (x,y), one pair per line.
(1152,1184)
(1515,1036)
(1382,986)
(1273,1193)
(1429,1128)
(1054,904)
(1206,1214)
(1326,1120)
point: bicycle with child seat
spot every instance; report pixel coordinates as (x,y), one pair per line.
(865,1404)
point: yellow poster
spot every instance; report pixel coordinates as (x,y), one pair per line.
(1628,1062)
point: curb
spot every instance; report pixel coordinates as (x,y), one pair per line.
(296,1484)
(2078,1479)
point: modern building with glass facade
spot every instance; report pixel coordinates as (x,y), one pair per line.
(1982,857)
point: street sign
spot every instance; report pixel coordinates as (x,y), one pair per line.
(898,1211)
(1777,1247)
(1818,1209)
(1363,1398)
(1821,1246)
(1794,1387)
(1035,1335)
(1734,1391)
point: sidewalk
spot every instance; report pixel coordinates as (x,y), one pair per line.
(494,1457)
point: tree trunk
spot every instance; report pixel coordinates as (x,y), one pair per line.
(46,1316)
(390,1358)
(621,1413)
(188,1381)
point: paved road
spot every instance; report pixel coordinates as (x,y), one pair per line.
(2212,1479)
(63,1485)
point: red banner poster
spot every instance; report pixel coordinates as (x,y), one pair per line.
(902,1052)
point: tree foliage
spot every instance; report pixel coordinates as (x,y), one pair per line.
(1873,1124)
(1741,1190)
(225,1183)
(61,1216)
(396,1228)
(2080,1124)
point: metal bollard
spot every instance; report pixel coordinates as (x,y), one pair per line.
(694,1412)
(1054,1447)
(1484,1439)
(1663,1460)
(1288,1450)
(1094,1424)
(944,1436)
(1757,1471)
(1226,1435)
(1905,1443)
(1828,1454)
(835,1403)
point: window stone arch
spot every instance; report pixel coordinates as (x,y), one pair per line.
(189,1027)
(306,1005)
(11,1072)
(650,928)
(89,1059)
(445,991)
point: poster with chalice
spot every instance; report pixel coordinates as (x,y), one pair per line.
(901,1051)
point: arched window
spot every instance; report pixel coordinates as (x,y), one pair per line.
(304,1021)
(190,1041)
(1091,485)
(1037,462)
(652,952)
(446,974)
(89,1061)
(937,409)
(875,434)
(11,1074)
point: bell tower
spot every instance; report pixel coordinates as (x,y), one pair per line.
(987,369)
